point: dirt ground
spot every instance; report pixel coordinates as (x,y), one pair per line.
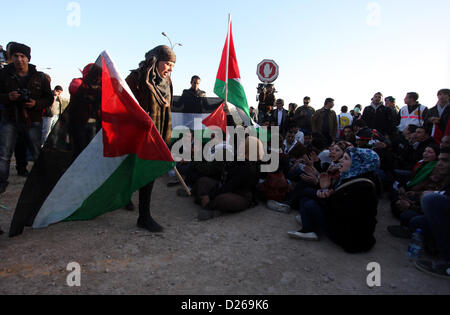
(247,253)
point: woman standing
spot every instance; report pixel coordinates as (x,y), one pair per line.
(152,87)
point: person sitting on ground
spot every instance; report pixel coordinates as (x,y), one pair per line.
(346,212)
(406,204)
(348,135)
(289,143)
(358,125)
(308,138)
(435,224)
(402,145)
(422,140)
(236,191)
(299,135)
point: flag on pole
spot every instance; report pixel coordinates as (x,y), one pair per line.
(218,119)
(228,83)
(122,158)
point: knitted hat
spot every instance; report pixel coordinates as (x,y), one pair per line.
(20,48)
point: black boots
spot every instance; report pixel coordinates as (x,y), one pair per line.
(145,220)
(149,224)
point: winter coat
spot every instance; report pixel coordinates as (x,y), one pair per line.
(161,116)
(317,122)
(351,214)
(39,88)
(381,119)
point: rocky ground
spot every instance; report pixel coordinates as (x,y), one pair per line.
(247,253)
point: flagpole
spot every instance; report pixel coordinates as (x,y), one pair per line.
(180,178)
(228,60)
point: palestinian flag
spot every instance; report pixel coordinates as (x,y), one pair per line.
(236,93)
(123,157)
(217,119)
(184,114)
(442,129)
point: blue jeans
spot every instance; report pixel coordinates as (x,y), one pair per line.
(436,221)
(9,132)
(313,216)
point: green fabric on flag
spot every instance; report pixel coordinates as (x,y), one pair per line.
(116,192)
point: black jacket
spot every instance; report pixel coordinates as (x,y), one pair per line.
(381,119)
(39,88)
(284,121)
(351,213)
(193,102)
(435,113)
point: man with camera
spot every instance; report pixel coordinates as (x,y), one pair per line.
(25,92)
(266,100)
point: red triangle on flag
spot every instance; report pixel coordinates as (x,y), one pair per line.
(218,119)
(127,129)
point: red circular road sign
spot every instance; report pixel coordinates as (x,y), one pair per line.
(268,71)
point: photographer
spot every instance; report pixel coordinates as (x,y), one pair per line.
(25,92)
(266,100)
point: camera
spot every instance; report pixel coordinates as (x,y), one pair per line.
(25,95)
(261,89)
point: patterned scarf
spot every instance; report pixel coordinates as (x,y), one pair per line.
(363,161)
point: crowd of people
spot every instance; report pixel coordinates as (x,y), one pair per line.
(333,168)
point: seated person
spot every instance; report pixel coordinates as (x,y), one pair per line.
(236,190)
(346,212)
(349,135)
(289,143)
(406,205)
(435,224)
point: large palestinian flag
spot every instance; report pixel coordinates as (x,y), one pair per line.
(236,92)
(123,157)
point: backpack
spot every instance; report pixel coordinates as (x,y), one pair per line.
(275,187)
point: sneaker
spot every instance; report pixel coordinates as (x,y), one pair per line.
(400,231)
(304,236)
(441,270)
(299,220)
(278,206)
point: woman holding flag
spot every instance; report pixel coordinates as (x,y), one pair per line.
(152,87)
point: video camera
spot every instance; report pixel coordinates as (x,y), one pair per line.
(25,95)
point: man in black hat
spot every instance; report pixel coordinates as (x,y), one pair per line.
(25,92)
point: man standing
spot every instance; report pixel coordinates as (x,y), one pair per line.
(413,113)
(281,117)
(52,114)
(437,119)
(390,102)
(3,56)
(192,101)
(324,121)
(152,86)
(379,117)
(303,115)
(25,92)
(345,119)
(266,101)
